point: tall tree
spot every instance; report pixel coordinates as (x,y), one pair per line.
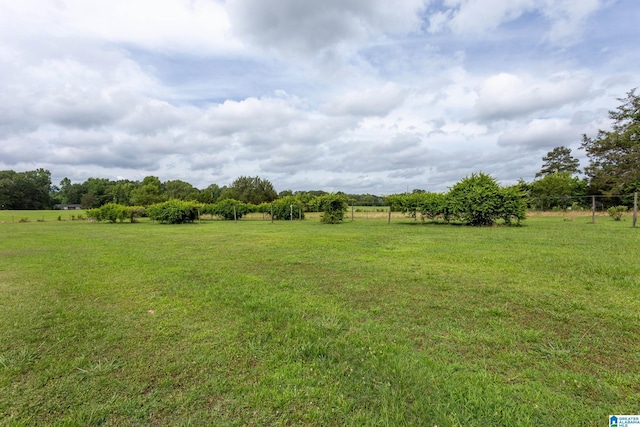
(615,155)
(148,193)
(25,190)
(181,190)
(121,191)
(557,189)
(559,160)
(101,188)
(252,190)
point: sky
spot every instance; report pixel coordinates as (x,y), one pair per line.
(360,96)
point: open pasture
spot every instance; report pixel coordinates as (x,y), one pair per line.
(363,323)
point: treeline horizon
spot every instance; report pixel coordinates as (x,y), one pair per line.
(558,186)
(34,190)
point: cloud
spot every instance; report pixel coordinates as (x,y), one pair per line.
(351,95)
(541,134)
(182,25)
(370,102)
(505,96)
(309,28)
(565,18)
(477,16)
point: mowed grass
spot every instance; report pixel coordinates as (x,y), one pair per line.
(363,323)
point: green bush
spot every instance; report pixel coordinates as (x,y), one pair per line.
(478,200)
(174,211)
(616,212)
(111,212)
(332,206)
(284,206)
(225,209)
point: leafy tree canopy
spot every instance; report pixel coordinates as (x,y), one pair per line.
(254,190)
(25,190)
(615,155)
(559,160)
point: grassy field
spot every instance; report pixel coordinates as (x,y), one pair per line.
(363,323)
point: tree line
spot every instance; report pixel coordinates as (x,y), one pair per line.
(613,171)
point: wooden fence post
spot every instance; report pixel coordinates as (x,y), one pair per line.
(635,208)
(235,215)
(271,212)
(351,211)
(593,209)
(389,220)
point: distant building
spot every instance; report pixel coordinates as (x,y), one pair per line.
(67,207)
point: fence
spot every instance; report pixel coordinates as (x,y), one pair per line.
(595,201)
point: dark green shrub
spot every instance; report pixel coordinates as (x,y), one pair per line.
(287,208)
(174,211)
(333,206)
(111,212)
(479,200)
(225,209)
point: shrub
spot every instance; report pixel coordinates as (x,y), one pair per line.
(333,207)
(285,206)
(111,212)
(616,212)
(431,205)
(136,212)
(174,212)
(513,204)
(479,200)
(225,209)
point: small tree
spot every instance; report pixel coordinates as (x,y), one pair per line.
(228,209)
(616,212)
(174,212)
(479,200)
(286,208)
(111,212)
(333,207)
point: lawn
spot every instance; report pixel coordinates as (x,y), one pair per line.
(363,323)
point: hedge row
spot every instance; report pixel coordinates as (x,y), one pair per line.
(475,200)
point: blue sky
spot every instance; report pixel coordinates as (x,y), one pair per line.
(341,95)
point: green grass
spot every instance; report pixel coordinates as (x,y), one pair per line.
(40,216)
(364,323)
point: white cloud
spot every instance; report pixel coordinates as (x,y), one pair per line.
(198,26)
(370,102)
(476,16)
(541,134)
(505,96)
(356,95)
(472,17)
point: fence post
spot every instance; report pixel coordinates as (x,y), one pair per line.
(351,211)
(271,212)
(299,213)
(635,208)
(593,209)
(235,215)
(389,220)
